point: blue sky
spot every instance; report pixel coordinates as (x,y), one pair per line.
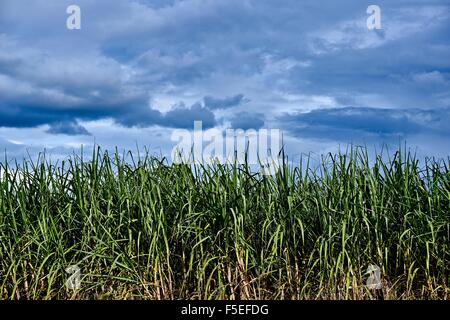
(139,69)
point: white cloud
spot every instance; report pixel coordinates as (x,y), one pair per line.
(433,77)
(396,24)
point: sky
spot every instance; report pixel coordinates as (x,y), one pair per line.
(139,69)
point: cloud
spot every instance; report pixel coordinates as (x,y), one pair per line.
(182,117)
(397,24)
(245,121)
(68,128)
(247,63)
(229,102)
(9,145)
(351,123)
(432,77)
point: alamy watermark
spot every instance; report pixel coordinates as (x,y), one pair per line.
(251,146)
(374,280)
(73,22)
(374,20)
(74,280)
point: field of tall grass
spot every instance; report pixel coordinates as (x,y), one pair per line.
(139,228)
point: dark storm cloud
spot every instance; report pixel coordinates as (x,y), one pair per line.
(347,124)
(68,128)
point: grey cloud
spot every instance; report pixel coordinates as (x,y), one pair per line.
(182,117)
(245,120)
(350,123)
(68,127)
(216,103)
